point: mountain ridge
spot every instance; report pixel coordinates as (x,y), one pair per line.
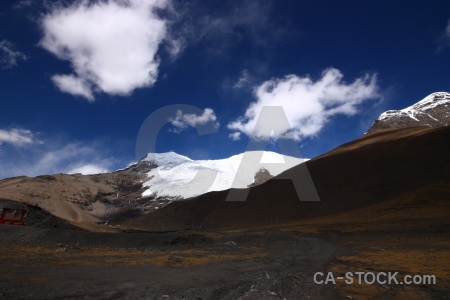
(140,188)
(433,110)
(368,171)
(108,196)
(177,176)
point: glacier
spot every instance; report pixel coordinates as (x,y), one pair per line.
(180,177)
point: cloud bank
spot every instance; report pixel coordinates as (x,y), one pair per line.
(21,153)
(308,104)
(111,45)
(51,158)
(71,158)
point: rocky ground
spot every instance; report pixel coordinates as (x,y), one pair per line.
(53,262)
(67,264)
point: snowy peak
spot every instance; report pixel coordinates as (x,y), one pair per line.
(433,110)
(431,101)
(154,160)
(175,176)
(167,158)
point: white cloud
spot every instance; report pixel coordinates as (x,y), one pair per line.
(110,44)
(16,136)
(182,121)
(235,136)
(308,104)
(73,85)
(9,56)
(88,169)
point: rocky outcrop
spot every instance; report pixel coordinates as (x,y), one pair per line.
(260,177)
(433,110)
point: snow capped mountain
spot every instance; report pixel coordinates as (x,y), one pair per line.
(433,110)
(168,158)
(175,176)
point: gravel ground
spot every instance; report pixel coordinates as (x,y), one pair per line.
(74,264)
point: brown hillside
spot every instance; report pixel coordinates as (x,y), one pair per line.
(373,169)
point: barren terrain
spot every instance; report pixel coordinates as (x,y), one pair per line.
(385,207)
(274,262)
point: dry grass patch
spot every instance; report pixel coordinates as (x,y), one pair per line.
(420,254)
(95,257)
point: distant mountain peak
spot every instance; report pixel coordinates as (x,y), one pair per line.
(433,110)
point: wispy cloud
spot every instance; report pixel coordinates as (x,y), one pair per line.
(244,19)
(88,169)
(17,136)
(243,80)
(53,157)
(308,104)
(226,25)
(111,45)
(22,4)
(9,56)
(183,121)
(447,30)
(71,158)
(444,40)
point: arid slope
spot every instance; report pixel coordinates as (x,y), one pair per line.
(373,169)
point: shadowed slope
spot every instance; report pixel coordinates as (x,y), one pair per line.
(376,168)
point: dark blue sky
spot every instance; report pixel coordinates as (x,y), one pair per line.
(75,88)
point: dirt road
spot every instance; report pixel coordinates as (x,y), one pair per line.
(67,264)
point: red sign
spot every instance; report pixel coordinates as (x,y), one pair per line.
(12,216)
